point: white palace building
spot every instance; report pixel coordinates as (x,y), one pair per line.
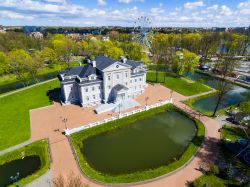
(103,80)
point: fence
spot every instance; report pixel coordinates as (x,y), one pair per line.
(121,115)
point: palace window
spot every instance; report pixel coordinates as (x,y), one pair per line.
(86,90)
(93,88)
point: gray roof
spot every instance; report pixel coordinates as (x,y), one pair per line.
(81,71)
(72,71)
(134,64)
(120,87)
(86,71)
(102,62)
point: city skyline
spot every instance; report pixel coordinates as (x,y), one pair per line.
(171,13)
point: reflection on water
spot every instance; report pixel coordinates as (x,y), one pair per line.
(148,143)
(26,166)
(16,85)
(236,95)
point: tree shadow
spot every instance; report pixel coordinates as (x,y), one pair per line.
(210,150)
(54,95)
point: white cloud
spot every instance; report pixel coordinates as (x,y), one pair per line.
(101,2)
(192,5)
(156,11)
(56,1)
(14,15)
(244,7)
(65,12)
(226,10)
(129,1)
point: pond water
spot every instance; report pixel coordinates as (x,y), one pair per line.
(148,143)
(19,84)
(26,166)
(236,95)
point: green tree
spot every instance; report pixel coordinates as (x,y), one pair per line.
(245,107)
(112,50)
(48,56)
(3,63)
(18,61)
(63,47)
(185,61)
(35,65)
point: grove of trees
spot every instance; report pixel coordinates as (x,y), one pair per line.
(23,55)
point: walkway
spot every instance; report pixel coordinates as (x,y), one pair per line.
(15,147)
(47,123)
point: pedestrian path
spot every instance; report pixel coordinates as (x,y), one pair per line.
(15,147)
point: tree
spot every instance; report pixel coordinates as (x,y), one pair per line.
(63,48)
(112,50)
(48,56)
(185,61)
(71,181)
(245,107)
(18,61)
(35,65)
(225,65)
(3,63)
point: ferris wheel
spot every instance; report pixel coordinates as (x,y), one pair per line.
(142,29)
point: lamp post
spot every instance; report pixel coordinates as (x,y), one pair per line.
(146,100)
(65,122)
(15,178)
(171,95)
(119,105)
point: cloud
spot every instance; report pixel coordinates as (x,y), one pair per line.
(156,11)
(55,1)
(244,7)
(129,1)
(65,12)
(192,5)
(101,2)
(14,15)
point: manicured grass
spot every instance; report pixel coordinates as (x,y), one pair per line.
(233,133)
(78,138)
(213,181)
(14,110)
(181,85)
(39,148)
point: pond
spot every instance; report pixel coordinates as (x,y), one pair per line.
(236,95)
(146,144)
(26,166)
(19,84)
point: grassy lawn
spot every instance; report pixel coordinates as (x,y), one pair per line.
(14,110)
(213,181)
(233,133)
(181,85)
(39,148)
(78,138)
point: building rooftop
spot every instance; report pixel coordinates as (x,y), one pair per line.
(102,62)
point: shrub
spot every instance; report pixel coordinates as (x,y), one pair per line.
(214,169)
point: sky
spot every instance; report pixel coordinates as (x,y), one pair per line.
(162,13)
